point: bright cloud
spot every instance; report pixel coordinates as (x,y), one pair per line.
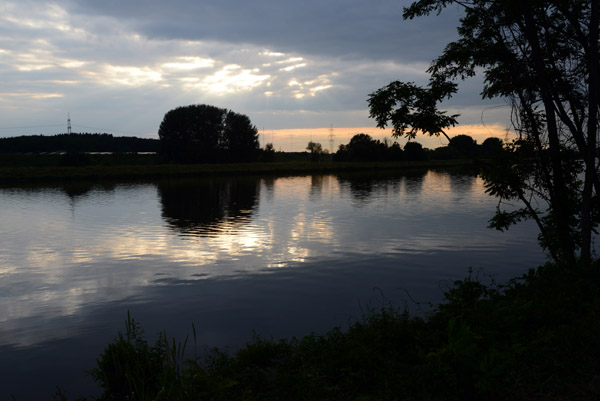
(292,67)
(37,96)
(189,63)
(301,64)
(127,76)
(231,79)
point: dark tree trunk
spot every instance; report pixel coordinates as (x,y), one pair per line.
(558,198)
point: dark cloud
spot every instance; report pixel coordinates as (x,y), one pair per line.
(339,28)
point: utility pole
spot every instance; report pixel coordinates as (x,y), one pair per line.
(69,123)
(331,139)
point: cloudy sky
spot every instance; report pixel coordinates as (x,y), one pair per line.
(296,68)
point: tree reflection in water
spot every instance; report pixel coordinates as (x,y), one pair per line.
(206,207)
(363,185)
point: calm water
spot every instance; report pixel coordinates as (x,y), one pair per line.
(282,256)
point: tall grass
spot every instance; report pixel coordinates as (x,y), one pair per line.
(534,338)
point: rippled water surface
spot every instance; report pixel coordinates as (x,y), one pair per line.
(282,256)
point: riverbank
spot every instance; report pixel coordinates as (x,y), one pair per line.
(536,337)
(26,172)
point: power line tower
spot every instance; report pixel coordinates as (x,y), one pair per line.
(331,139)
(69,123)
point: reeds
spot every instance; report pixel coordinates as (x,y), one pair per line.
(536,337)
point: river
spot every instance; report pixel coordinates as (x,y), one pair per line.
(284,256)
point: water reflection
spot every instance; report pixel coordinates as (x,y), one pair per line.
(208,207)
(283,255)
(461,185)
(316,186)
(77,190)
(365,186)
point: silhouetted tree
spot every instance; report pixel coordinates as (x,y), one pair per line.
(542,56)
(465,145)
(444,153)
(361,148)
(240,138)
(394,152)
(203,133)
(414,151)
(492,146)
(316,150)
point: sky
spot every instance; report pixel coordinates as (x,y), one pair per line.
(301,70)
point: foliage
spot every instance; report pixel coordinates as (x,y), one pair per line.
(362,148)
(129,368)
(492,147)
(76,143)
(465,145)
(412,109)
(316,151)
(414,151)
(207,134)
(542,56)
(535,337)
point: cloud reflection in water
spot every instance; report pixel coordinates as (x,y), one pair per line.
(65,250)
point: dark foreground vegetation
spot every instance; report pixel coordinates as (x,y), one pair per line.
(534,338)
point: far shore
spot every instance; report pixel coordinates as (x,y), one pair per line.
(45,174)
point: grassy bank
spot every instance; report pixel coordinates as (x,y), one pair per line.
(41,170)
(534,338)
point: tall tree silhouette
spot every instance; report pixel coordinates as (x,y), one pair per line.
(203,133)
(543,57)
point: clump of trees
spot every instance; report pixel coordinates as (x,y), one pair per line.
(316,151)
(542,57)
(207,134)
(363,147)
(465,147)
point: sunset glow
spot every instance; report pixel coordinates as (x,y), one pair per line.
(296,139)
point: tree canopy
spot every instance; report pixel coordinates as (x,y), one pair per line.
(205,134)
(316,150)
(542,57)
(361,148)
(464,144)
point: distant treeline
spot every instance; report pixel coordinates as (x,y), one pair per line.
(80,142)
(364,148)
